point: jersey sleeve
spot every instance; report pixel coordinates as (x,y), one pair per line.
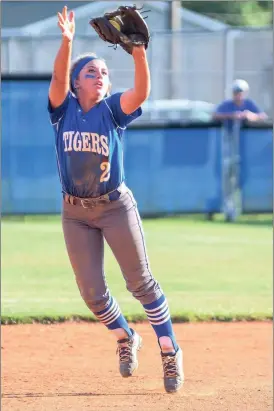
(251,106)
(57,113)
(120,118)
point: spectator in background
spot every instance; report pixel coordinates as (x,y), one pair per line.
(239,107)
(232,113)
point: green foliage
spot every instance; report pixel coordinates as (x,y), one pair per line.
(254,15)
(235,13)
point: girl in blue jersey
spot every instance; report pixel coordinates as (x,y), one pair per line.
(89,123)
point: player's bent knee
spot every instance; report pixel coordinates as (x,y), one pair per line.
(146,291)
(95,303)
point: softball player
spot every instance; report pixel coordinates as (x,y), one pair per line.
(89,123)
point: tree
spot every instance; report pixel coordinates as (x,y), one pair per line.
(235,13)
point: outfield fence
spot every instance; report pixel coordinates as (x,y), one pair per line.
(171,168)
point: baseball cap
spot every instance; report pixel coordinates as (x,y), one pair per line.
(240,85)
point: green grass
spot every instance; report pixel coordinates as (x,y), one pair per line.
(208,270)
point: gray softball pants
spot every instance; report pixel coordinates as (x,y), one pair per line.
(120,224)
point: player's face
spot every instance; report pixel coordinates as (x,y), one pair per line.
(94,79)
(239,96)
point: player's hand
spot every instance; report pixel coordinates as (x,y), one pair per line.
(238,115)
(249,115)
(66,24)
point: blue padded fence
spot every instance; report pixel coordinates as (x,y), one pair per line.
(170,169)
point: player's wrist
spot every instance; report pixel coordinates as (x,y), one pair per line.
(139,52)
(67,40)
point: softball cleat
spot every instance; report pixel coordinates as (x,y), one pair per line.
(173,371)
(127,350)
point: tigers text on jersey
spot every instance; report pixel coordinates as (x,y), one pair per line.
(89,145)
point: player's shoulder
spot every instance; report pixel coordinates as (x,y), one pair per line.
(226,104)
(227,101)
(72,99)
(117,115)
(68,103)
(112,104)
(57,113)
(249,101)
(113,99)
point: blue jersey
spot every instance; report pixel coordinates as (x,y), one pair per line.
(89,145)
(229,106)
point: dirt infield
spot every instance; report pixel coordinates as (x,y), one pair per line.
(73,366)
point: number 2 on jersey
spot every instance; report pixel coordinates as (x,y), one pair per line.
(105,167)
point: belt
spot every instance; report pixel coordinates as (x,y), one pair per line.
(94,201)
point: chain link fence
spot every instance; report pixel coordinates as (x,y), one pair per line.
(192,65)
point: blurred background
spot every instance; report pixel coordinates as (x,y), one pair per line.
(196,51)
(175,161)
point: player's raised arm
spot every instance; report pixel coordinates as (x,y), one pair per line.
(135,97)
(59,86)
(126,26)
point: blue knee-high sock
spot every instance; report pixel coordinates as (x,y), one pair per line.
(112,317)
(159,317)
